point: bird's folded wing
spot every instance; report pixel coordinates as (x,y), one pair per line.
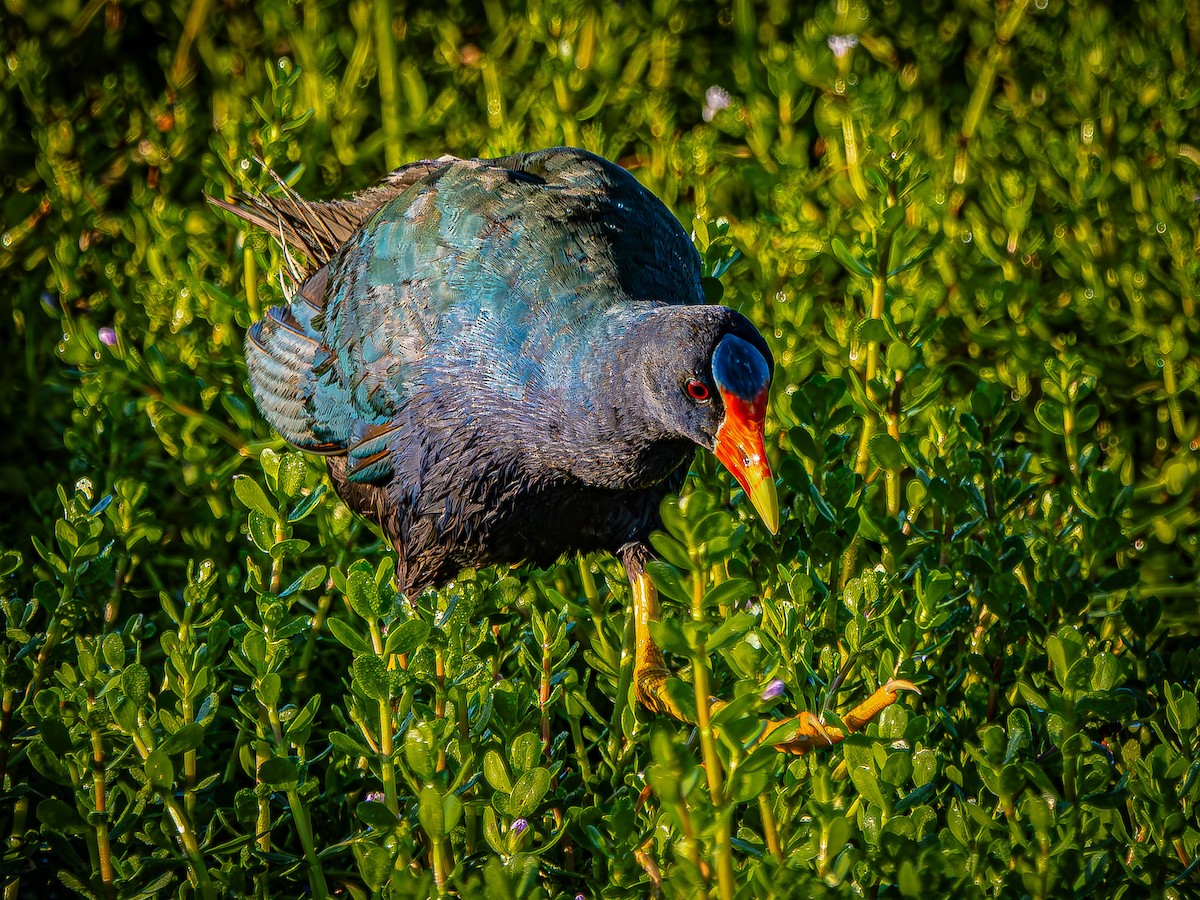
(369,457)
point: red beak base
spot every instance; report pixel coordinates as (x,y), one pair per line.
(740,449)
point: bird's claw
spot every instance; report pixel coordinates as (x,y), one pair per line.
(657,689)
(811,733)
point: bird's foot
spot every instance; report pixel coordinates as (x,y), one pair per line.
(659,690)
(812,734)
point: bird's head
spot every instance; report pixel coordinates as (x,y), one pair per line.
(710,376)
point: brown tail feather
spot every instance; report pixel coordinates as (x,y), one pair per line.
(318,229)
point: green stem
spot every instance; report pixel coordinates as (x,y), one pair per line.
(99,796)
(853,164)
(191,847)
(712,762)
(324,605)
(387,766)
(261,755)
(464,737)
(1172,389)
(232,438)
(385,60)
(198,14)
(437,851)
(12,888)
(316,875)
(983,87)
(863,457)
(250,283)
(439,697)
(585,767)
(770,829)
(6,711)
(592,594)
(544,692)
(624,679)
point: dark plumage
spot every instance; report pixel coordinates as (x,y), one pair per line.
(508,360)
(495,357)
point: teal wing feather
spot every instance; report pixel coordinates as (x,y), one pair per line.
(470,288)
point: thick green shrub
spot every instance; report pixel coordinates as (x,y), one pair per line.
(970,234)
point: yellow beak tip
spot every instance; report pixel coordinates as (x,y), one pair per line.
(766,502)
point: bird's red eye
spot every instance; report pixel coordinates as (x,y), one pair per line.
(697,390)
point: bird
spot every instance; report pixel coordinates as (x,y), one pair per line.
(509,360)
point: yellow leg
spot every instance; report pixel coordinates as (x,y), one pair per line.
(659,690)
(655,686)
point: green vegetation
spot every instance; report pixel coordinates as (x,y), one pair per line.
(972,239)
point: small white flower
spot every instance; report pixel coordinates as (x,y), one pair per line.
(716,98)
(842,44)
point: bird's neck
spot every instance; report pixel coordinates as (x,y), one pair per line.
(609,434)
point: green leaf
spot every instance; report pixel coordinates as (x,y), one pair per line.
(307,504)
(1050,414)
(1019,734)
(666,578)
(912,261)
(731,592)
(252,496)
(10,561)
(189,737)
(451,811)
(732,629)
(900,356)
(848,259)
(528,792)
(496,772)
(1085,418)
(925,765)
(886,453)
(361,591)
(310,580)
(1183,710)
(420,751)
(526,751)
(269,688)
(262,530)
(348,745)
(376,815)
(292,470)
(113,650)
(867,784)
(279,772)
(56,737)
(60,818)
(819,502)
(871,331)
(431,812)
(670,550)
(406,637)
(47,764)
(348,636)
(160,773)
(370,679)
(491,831)
(376,866)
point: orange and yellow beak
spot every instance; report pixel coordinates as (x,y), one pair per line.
(740,449)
